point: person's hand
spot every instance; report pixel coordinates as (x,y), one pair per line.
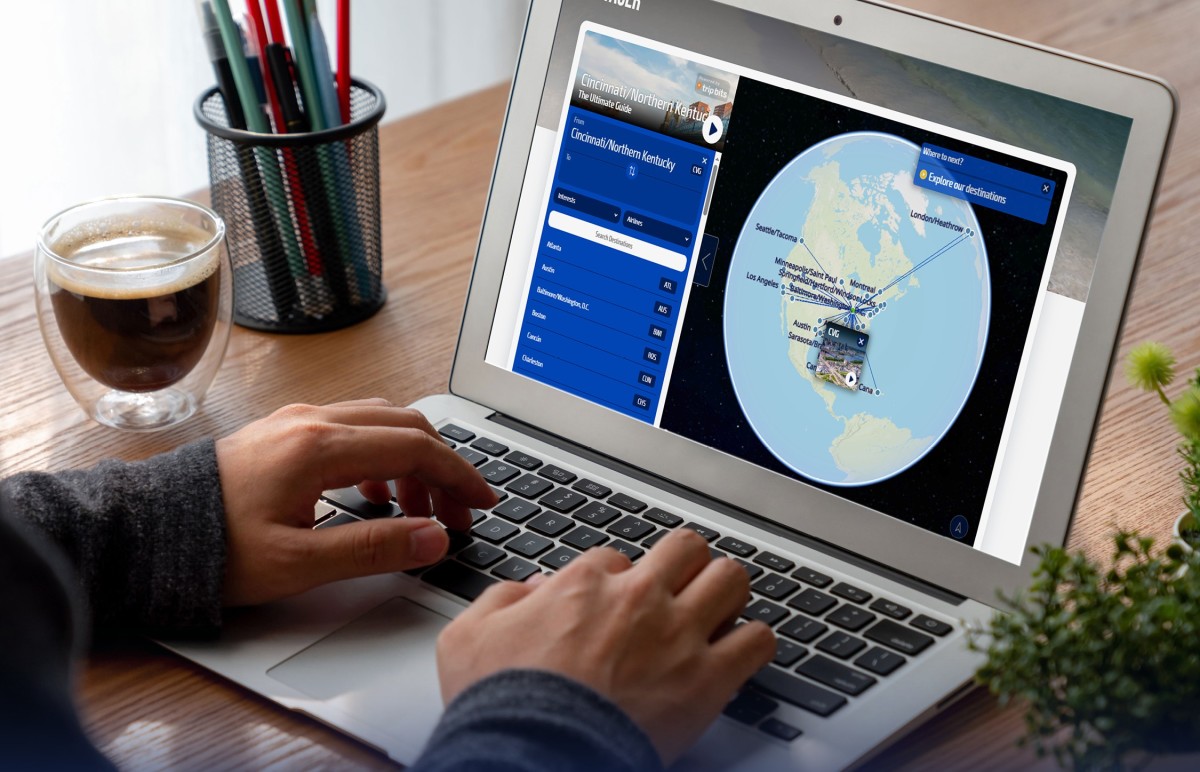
(655,639)
(273,470)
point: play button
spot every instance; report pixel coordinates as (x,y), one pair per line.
(713,130)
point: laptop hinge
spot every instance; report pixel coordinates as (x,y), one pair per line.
(728,510)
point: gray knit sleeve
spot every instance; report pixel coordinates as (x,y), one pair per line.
(146,539)
(535,721)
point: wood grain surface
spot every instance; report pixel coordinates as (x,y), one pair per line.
(148,709)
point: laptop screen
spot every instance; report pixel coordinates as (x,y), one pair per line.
(857,269)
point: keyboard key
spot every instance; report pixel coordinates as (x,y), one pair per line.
(777,728)
(473,456)
(481,555)
(655,539)
(788,653)
(498,472)
(529,485)
(800,693)
(826,671)
(491,447)
(452,432)
(515,569)
(880,661)
(457,579)
(557,474)
(339,519)
(630,551)
(931,625)
(562,500)
(775,586)
(477,516)
(662,517)
(841,645)
(813,577)
(850,617)
(626,502)
(750,707)
(530,545)
(850,592)
(551,524)
(354,502)
(558,558)
(737,547)
(764,611)
(597,514)
(751,569)
(458,540)
(494,530)
(774,562)
(500,495)
(516,510)
(813,602)
(802,629)
(449,444)
(631,528)
(899,637)
(523,460)
(592,488)
(890,608)
(320,516)
(708,533)
(584,537)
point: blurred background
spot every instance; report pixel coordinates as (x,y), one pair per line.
(97,96)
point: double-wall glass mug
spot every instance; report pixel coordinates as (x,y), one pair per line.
(134,301)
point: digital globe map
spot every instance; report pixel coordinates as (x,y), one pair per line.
(856,311)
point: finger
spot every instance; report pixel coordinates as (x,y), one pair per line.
(603,559)
(678,558)
(368,402)
(413,497)
(718,593)
(453,514)
(742,653)
(375,491)
(371,547)
(349,454)
(355,414)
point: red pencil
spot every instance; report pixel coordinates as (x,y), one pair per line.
(343,59)
(291,172)
(276,26)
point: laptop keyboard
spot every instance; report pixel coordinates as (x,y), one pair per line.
(834,640)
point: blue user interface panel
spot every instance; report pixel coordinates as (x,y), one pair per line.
(623,218)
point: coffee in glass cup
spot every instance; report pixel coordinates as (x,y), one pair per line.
(134,305)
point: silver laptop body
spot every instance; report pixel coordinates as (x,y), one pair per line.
(834,283)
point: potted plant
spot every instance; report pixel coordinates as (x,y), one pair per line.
(1151,366)
(1105,656)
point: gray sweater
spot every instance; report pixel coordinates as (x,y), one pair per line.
(141,546)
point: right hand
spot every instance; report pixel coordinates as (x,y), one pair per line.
(655,639)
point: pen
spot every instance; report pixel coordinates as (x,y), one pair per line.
(220,64)
(343,53)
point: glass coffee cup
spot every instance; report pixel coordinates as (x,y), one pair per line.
(134,302)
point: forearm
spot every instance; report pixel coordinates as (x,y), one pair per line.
(146,539)
(529,721)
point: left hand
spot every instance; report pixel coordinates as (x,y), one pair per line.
(273,470)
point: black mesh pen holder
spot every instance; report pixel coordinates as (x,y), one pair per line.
(301,217)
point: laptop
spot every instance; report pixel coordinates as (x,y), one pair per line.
(835,284)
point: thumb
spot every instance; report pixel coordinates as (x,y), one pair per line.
(380,546)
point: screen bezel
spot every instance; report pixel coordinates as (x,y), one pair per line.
(961,568)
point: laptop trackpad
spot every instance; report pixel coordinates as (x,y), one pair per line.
(380,668)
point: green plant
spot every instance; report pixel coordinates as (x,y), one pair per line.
(1151,366)
(1105,658)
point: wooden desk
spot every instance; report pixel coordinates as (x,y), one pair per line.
(147,709)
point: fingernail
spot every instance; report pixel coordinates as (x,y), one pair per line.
(427,543)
